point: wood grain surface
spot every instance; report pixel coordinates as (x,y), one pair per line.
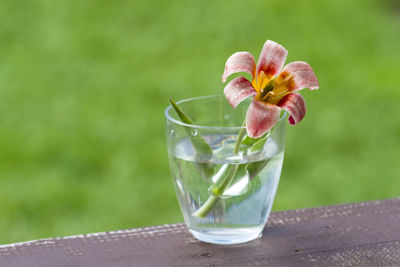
(362,234)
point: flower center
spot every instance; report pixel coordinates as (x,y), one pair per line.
(270,89)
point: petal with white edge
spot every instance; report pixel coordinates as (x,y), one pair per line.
(239,62)
(260,118)
(301,74)
(295,105)
(272,58)
(238,90)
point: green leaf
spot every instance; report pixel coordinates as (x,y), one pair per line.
(197,140)
(178,110)
(249,141)
(256,167)
(206,170)
(257,146)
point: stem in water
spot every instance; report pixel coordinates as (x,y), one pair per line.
(232,169)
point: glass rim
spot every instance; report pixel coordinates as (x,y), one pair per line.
(170,118)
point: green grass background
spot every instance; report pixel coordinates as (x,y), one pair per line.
(83,86)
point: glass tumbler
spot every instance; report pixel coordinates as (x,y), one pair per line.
(225,187)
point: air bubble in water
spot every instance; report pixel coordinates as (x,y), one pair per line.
(194,132)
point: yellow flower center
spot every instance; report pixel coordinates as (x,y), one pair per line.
(270,89)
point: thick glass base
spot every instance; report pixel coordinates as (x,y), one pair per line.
(226,236)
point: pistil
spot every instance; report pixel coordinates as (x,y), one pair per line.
(268,89)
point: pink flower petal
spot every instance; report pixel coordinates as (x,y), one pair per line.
(271,59)
(239,62)
(260,118)
(237,90)
(303,76)
(295,105)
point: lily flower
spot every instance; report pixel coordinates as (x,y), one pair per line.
(271,89)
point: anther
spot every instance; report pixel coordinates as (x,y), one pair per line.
(268,88)
(270,93)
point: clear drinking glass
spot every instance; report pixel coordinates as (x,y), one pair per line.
(225,197)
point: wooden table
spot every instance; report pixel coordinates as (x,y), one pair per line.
(362,234)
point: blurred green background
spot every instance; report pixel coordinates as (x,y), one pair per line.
(83,87)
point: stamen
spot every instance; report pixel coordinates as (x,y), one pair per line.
(255,83)
(284,77)
(275,98)
(270,93)
(268,88)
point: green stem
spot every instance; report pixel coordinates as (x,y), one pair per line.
(239,139)
(232,169)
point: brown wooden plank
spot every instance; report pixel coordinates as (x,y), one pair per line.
(362,234)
